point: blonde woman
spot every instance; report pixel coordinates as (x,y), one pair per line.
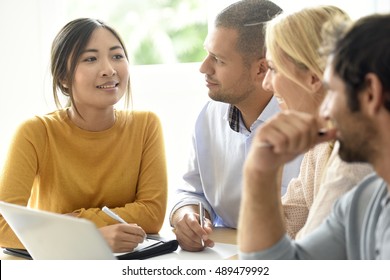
(295,76)
(358,105)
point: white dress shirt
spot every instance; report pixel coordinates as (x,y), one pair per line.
(214,173)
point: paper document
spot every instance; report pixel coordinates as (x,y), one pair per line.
(220,251)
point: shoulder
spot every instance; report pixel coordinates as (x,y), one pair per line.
(139,120)
(35,130)
(318,154)
(215,107)
(270,110)
(213,112)
(370,185)
(137,116)
(37,124)
(363,192)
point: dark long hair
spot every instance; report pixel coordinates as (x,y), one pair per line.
(66,49)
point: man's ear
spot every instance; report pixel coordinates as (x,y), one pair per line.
(261,68)
(372,98)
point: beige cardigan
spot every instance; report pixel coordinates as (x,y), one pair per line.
(323,178)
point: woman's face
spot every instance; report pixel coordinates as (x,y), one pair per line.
(102,72)
(290,94)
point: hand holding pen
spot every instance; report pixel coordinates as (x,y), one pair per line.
(190,229)
(122,237)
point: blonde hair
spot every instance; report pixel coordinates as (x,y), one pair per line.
(297,37)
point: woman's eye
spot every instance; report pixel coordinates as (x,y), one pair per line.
(90,59)
(272,69)
(118,56)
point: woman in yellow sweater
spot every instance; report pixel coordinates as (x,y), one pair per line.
(88,155)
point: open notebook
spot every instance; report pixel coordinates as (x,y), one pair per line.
(51,236)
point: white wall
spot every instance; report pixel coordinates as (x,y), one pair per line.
(26,27)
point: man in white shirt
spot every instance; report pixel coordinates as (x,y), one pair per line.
(234,70)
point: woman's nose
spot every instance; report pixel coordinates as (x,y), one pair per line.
(108,69)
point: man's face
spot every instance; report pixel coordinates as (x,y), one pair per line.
(354,129)
(229,80)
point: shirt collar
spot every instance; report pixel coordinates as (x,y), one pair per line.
(234,118)
(234,115)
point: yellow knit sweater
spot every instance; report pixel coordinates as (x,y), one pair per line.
(53,165)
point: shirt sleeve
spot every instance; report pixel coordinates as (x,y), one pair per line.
(190,192)
(19,171)
(325,242)
(302,191)
(295,204)
(339,178)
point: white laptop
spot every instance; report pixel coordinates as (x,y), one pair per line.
(50,236)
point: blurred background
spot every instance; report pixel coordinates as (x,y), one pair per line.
(164,39)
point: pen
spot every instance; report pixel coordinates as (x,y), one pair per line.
(113,215)
(107,210)
(201,218)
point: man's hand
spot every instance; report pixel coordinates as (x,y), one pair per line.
(284,137)
(188,231)
(276,142)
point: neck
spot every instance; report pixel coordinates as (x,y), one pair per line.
(380,156)
(92,120)
(382,167)
(252,107)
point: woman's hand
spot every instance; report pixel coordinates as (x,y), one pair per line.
(123,237)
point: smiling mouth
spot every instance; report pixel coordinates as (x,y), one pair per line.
(108,86)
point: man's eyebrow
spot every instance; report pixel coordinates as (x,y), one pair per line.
(217,56)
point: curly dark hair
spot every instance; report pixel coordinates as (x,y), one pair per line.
(362,48)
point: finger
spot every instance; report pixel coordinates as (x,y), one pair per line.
(292,132)
(277,132)
(126,247)
(133,229)
(187,243)
(209,243)
(186,236)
